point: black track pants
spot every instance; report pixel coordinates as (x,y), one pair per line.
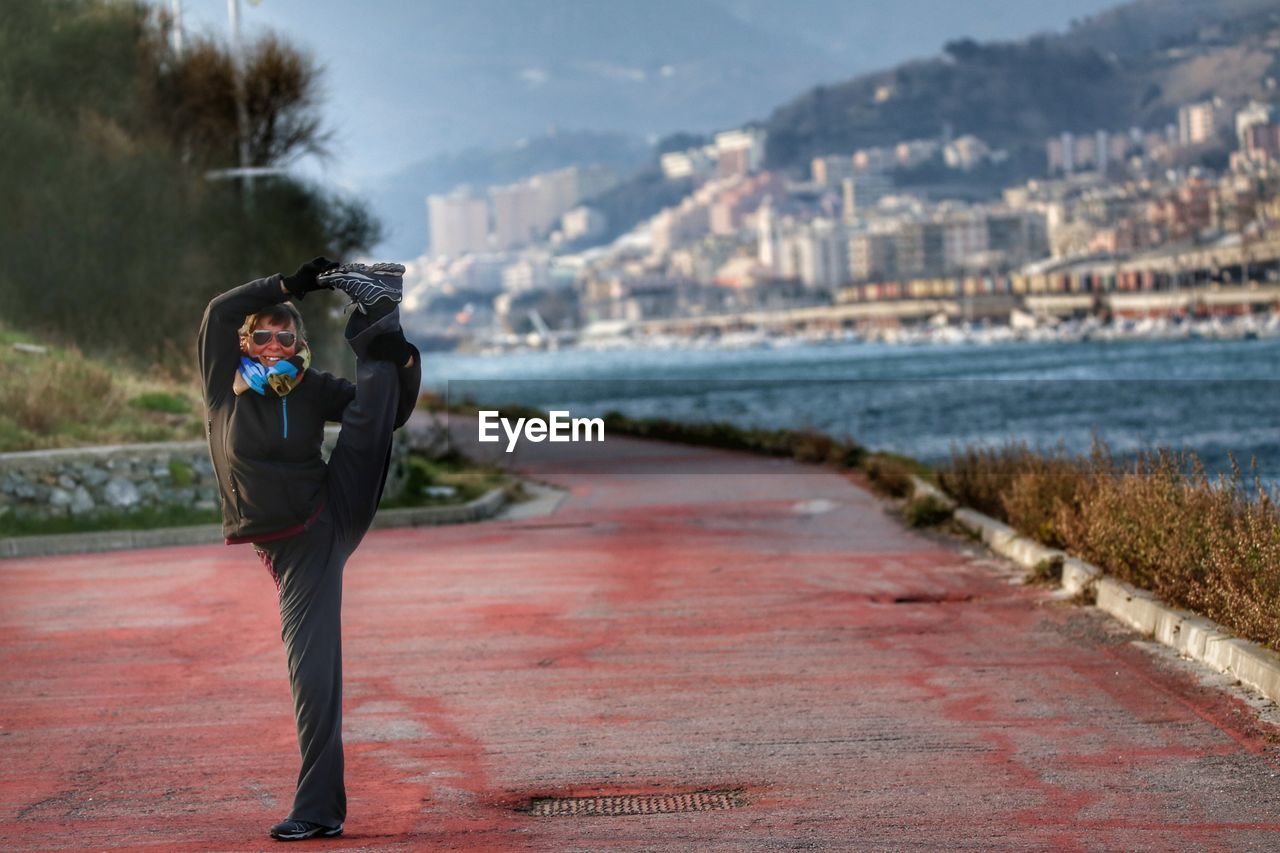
(308,570)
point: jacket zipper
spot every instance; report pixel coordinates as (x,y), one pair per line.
(284,415)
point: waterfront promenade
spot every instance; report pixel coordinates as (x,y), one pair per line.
(687,620)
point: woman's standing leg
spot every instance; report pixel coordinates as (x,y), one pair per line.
(308,568)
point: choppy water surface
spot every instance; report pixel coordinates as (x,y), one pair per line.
(1212,397)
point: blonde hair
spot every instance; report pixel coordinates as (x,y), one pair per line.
(282,313)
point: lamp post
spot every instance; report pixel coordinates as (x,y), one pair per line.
(175,34)
(242,109)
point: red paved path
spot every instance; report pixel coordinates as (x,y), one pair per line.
(770,629)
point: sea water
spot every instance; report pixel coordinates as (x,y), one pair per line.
(1213,397)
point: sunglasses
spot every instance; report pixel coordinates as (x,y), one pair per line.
(262,337)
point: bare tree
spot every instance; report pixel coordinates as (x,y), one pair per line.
(193,101)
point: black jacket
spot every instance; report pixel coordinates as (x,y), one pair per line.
(266,449)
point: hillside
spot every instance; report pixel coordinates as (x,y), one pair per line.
(1134,65)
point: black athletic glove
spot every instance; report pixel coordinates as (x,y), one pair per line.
(391,347)
(303,281)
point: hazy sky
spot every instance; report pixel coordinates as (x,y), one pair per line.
(405,80)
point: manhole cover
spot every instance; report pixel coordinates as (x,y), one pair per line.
(633,804)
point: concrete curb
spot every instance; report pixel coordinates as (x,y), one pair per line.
(924,489)
(1193,636)
(485,506)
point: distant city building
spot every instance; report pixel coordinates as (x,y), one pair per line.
(914,152)
(966,153)
(1262,144)
(526,211)
(729,210)
(676,226)
(739,152)
(1018,235)
(767,235)
(1253,115)
(965,238)
(583,223)
(875,159)
(862,192)
(526,274)
(694,163)
(1198,123)
(1070,153)
(514,215)
(871,256)
(458,223)
(480,272)
(1061,154)
(920,249)
(831,170)
(822,252)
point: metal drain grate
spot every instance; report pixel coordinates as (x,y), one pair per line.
(635,804)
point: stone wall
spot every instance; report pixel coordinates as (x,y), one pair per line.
(85,481)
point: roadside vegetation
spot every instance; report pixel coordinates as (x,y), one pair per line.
(58,397)
(451,479)
(1209,545)
(148,518)
(802,445)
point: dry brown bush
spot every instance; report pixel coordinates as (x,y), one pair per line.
(1045,491)
(1159,523)
(44,393)
(1242,571)
(980,477)
(889,475)
(1148,525)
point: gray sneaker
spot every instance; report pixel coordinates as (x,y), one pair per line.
(300,830)
(377,287)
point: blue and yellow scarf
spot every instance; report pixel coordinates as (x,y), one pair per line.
(279,380)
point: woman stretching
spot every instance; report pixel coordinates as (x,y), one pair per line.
(266,411)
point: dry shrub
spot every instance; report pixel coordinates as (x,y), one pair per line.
(813,447)
(44,393)
(1150,525)
(1044,495)
(888,475)
(980,477)
(1242,588)
(1160,524)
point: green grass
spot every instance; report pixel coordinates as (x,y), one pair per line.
(180,473)
(468,479)
(927,511)
(162,401)
(1047,572)
(143,519)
